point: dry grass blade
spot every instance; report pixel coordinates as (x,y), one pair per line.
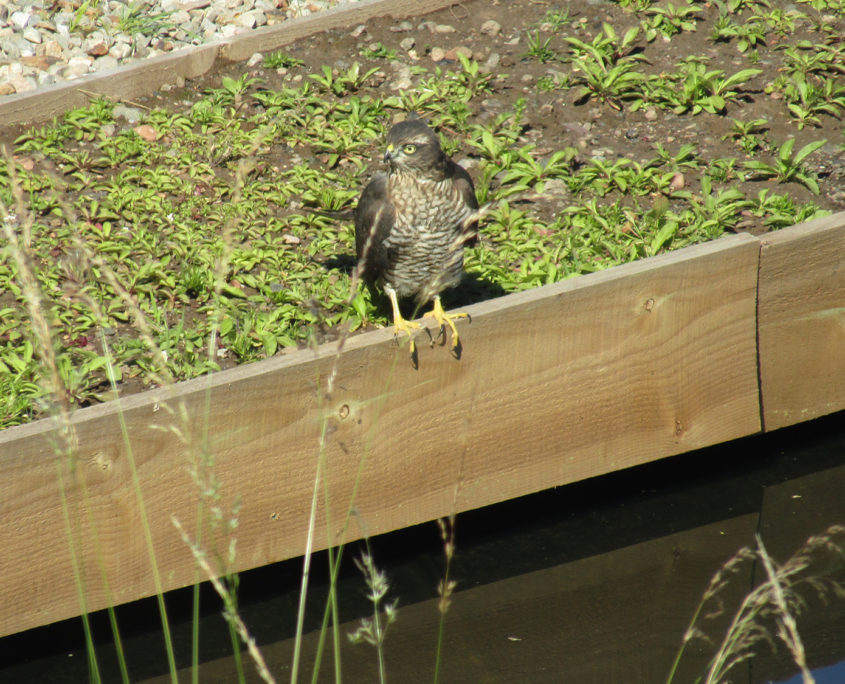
(229,612)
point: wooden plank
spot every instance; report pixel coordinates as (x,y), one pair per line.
(557,384)
(147,76)
(802,322)
(123,83)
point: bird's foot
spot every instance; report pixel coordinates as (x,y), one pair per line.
(443,319)
(400,325)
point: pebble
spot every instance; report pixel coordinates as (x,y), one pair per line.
(79,46)
(491,27)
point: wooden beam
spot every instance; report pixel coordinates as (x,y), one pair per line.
(555,385)
(145,77)
(802,322)
(123,83)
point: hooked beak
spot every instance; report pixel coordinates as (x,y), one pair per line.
(388,153)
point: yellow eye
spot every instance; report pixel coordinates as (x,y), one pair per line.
(409,149)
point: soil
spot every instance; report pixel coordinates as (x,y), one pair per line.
(557,119)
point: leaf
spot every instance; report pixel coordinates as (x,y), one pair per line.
(664,235)
(226,326)
(808,149)
(808,182)
(270,343)
(232,291)
(785,151)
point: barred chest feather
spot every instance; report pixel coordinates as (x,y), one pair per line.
(425,243)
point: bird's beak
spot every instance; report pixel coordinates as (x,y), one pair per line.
(388,153)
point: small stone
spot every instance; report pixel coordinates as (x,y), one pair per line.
(437,54)
(38,62)
(402,27)
(105,62)
(678,182)
(76,67)
(45,78)
(97,49)
(131,114)
(7,88)
(23,84)
(555,187)
(247,20)
(255,60)
(120,50)
(650,114)
(444,28)
(33,35)
(358,30)
(452,55)
(146,132)
(52,48)
(20,19)
(491,27)
(179,17)
(407,44)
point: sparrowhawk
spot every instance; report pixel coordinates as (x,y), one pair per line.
(412,223)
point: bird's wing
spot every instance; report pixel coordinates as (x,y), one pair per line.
(463,182)
(374,218)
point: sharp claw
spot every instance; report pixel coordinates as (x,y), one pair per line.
(443,319)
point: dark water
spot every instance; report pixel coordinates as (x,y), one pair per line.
(593,582)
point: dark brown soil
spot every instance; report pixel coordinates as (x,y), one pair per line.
(559,118)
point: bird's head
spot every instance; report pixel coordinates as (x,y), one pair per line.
(413,146)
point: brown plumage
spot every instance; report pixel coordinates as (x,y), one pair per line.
(412,222)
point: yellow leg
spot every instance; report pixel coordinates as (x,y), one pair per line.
(400,325)
(443,319)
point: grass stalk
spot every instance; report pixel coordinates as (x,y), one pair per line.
(446,587)
(230,608)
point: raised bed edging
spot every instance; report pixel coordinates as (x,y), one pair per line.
(147,76)
(557,384)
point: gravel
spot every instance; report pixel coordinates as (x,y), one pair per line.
(45,41)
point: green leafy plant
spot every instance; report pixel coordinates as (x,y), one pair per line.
(604,67)
(281,60)
(670,19)
(788,167)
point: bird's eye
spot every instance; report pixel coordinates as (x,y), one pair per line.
(409,149)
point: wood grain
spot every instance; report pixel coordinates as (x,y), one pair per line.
(123,83)
(802,322)
(557,384)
